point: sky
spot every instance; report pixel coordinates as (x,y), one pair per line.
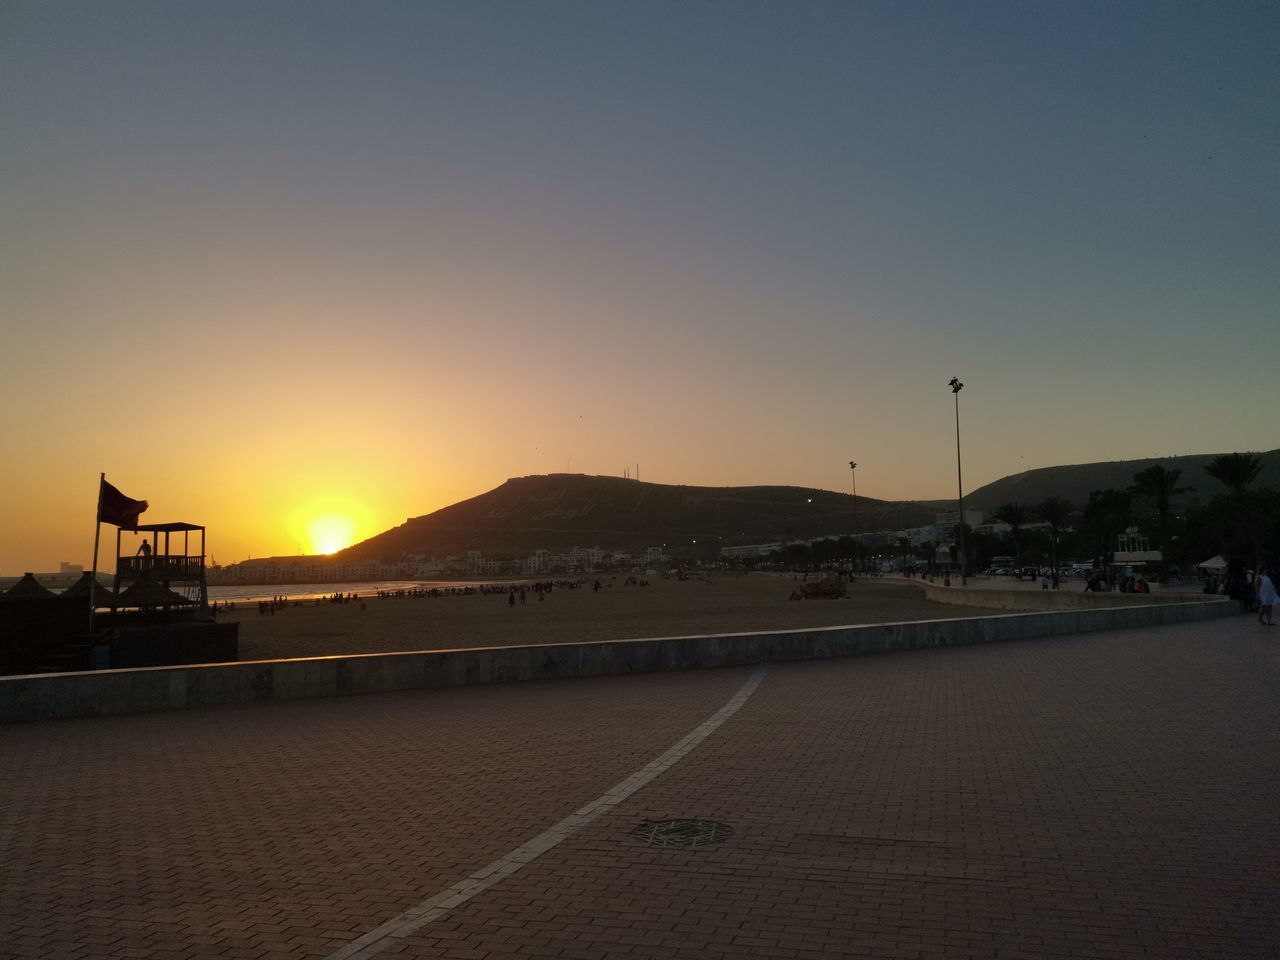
(266,264)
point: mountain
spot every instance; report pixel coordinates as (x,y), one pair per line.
(1075,482)
(560,511)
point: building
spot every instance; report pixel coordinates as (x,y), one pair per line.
(947,519)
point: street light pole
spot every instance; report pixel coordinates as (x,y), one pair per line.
(857,534)
(956,387)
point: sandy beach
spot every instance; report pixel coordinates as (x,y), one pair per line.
(727,604)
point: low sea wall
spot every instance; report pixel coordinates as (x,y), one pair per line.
(96,693)
(1074,598)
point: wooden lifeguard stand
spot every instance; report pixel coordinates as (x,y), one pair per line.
(160,613)
(157,574)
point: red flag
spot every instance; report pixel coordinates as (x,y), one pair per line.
(115,507)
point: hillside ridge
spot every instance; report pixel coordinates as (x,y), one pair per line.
(560,511)
(1074,482)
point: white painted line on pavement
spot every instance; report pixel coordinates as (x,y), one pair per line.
(433,908)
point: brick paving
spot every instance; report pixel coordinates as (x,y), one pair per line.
(1106,795)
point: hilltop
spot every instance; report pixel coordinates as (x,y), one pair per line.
(560,511)
(1074,482)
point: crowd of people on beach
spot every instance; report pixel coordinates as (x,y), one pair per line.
(269,607)
(1102,581)
(514,592)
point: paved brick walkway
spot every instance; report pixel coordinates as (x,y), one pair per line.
(1108,795)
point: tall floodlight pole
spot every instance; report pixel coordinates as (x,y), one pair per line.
(857,532)
(956,387)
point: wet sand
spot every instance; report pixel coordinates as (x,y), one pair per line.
(665,608)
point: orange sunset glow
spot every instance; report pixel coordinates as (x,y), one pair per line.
(329,524)
(586,250)
(330,533)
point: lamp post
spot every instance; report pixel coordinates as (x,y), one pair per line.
(956,387)
(857,535)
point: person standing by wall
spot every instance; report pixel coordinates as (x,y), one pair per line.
(1266,597)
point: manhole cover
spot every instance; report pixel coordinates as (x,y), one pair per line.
(682,833)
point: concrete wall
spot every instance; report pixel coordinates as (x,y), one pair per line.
(49,696)
(1067,598)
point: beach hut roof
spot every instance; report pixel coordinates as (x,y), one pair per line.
(145,592)
(102,596)
(28,588)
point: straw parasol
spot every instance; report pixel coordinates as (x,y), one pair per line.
(28,588)
(102,596)
(145,592)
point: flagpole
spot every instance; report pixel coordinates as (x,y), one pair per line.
(97,532)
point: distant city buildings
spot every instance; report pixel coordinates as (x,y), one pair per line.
(750,551)
(306,570)
(947,519)
(938,537)
(935,538)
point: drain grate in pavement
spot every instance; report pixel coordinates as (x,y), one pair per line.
(682,833)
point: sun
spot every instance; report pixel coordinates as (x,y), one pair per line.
(326,524)
(331,532)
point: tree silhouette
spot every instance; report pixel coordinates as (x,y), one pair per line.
(1159,486)
(1235,471)
(1054,511)
(1016,516)
(1106,514)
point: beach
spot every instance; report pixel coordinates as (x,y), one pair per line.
(666,607)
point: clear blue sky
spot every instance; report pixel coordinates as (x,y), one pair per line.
(397,252)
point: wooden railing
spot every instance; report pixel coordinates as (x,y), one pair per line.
(161,568)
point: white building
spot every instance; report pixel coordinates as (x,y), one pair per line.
(947,519)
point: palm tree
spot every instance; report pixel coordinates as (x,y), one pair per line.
(1016,516)
(1106,514)
(1159,486)
(1054,511)
(1234,470)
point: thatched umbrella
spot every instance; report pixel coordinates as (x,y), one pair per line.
(102,596)
(145,592)
(28,588)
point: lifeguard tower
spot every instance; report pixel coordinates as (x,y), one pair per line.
(159,610)
(158,613)
(156,574)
